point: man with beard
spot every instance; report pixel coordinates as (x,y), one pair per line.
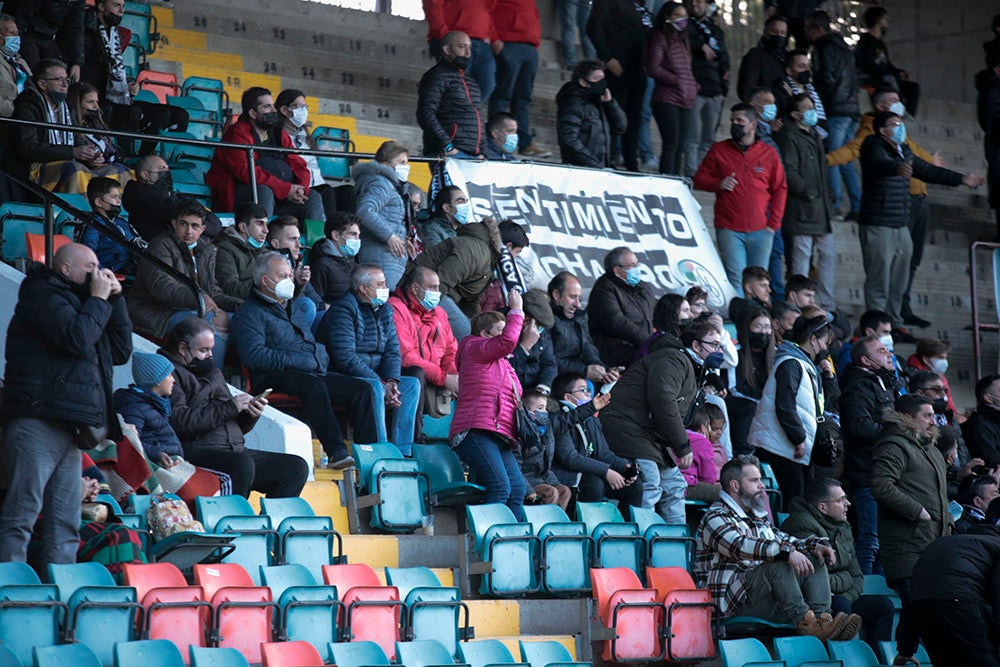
(754,569)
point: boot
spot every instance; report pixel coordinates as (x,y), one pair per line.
(845,627)
(816,627)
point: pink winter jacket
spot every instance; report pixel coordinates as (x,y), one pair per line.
(489,390)
(703,462)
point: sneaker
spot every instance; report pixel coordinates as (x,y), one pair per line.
(837,217)
(534,150)
(650,165)
(914,320)
(845,627)
(901,335)
(340,462)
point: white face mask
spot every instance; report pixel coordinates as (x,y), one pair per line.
(898,109)
(381,296)
(939,366)
(284,288)
(300,116)
(887,341)
(402,171)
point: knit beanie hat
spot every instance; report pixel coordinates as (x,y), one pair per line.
(149,370)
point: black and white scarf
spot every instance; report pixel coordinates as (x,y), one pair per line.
(117,91)
(60,116)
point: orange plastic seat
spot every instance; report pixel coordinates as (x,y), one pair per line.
(160,84)
(36,245)
(286,654)
(689,614)
(174,610)
(375,612)
(633,612)
(243,616)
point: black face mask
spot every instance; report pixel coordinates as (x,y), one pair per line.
(885,31)
(201,367)
(804,76)
(83,290)
(270,119)
(461,62)
(737,132)
(940,405)
(111,20)
(113,211)
(164,182)
(759,341)
(597,88)
(92,116)
(775,42)
(821,354)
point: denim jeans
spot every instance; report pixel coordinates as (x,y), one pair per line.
(876,612)
(663,490)
(221,340)
(404,415)
(573,15)
(458,320)
(646,153)
(738,250)
(516,67)
(483,68)
(866,542)
(373,252)
(842,129)
(776,267)
(824,248)
(312,209)
(492,462)
(701,131)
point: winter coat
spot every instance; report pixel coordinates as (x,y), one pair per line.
(871,57)
(156,296)
(885,196)
(962,568)
(834,76)
(139,408)
(908,476)
(571,341)
(437,228)
(268,341)
(28,145)
(9,75)
(649,404)
(379,203)
(151,208)
(982,434)
(585,126)
(864,402)
(710,75)
(61,346)
(425,338)
(517,21)
(536,368)
(804,520)
(110,253)
(702,468)
(668,62)
(97,63)
(617,32)
(758,202)
(448,104)
(361,339)
(535,451)
(581,448)
(234,260)
(465,264)
(229,166)
(760,67)
(807,208)
(786,414)
(473,17)
(621,317)
(202,411)
(490,392)
(495,152)
(47,19)
(330,271)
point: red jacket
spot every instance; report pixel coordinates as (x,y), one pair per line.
(229,167)
(473,17)
(425,338)
(760,189)
(518,21)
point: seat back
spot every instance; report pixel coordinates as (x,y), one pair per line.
(30,615)
(348,576)
(366,456)
(566,548)
(888,651)
(213,509)
(16,220)
(541,515)
(745,652)
(18,574)
(280,509)
(160,84)
(594,514)
(217,657)
(854,653)
(797,651)
(423,653)
(144,577)
(511,547)
(333,139)
(619,544)
(148,652)
(233,514)
(286,654)
(35,243)
(400,484)
(446,476)
(357,654)
(64,655)
(405,579)
(174,611)
(310,541)
(244,619)
(217,576)
(634,612)
(279,578)
(378,613)
(689,614)
(484,652)
(542,653)
(210,92)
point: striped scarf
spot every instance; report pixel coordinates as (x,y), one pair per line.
(813,95)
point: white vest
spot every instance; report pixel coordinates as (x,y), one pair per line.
(765,431)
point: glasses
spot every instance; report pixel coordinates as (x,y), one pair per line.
(582,390)
(937,389)
(711,344)
(58,79)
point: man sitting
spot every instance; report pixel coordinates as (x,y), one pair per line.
(574,349)
(822,512)
(151,201)
(753,569)
(236,249)
(976,492)
(284,237)
(360,337)
(281,354)
(105,197)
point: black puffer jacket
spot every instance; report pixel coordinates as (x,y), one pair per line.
(982,434)
(885,196)
(710,74)
(834,76)
(61,347)
(448,110)
(571,342)
(960,567)
(536,368)
(622,318)
(761,66)
(864,400)
(62,19)
(331,272)
(586,126)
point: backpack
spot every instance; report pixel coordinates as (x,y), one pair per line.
(167,516)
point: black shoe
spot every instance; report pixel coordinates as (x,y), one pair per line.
(910,318)
(901,335)
(852,216)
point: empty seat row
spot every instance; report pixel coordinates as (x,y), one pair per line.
(806,651)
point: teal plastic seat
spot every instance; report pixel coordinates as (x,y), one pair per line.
(486,652)
(357,654)
(423,653)
(747,652)
(217,657)
(210,92)
(508,550)
(433,610)
(306,611)
(30,615)
(402,489)
(16,220)
(888,650)
(546,653)
(139,19)
(233,514)
(9,659)
(618,544)
(567,549)
(333,139)
(446,476)
(804,651)
(853,653)
(667,544)
(148,653)
(64,655)
(746,626)
(303,538)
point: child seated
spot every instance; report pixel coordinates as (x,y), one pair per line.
(703,475)
(536,448)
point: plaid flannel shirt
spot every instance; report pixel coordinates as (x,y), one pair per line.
(731,544)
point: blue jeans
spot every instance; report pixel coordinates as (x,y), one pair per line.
(776,267)
(221,340)
(663,490)
(483,68)
(701,132)
(373,252)
(516,67)
(842,129)
(866,542)
(646,153)
(492,462)
(738,250)
(876,612)
(573,15)
(460,325)
(405,414)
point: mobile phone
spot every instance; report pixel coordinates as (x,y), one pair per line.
(606,388)
(263,394)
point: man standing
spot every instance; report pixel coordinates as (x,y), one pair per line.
(574,349)
(69,328)
(796,79)
(50,29)
(710,66)
(588,119)
(982,429)
(14,71)
(749,182)
(448,102)
(475,19)
(622,308)
(764,63)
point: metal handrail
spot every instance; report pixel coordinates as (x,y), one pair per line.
(978,326)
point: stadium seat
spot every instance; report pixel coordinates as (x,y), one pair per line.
(508,551)
(148,653)
(432,609)
(446,476)
(139,19)
(854,653)
(9,659)
(875,584)
(690,634)
(217,657)
(545,653)
(618,544)
(160,84)
(747,652)
(357,654)
(203,123)
(306,611)
(196,160)
(567,549)
(486,652)
(101,613)
(374,612)
(290,654)
(632,612)
(804,651)
(667,545)
(334,139)
(233,514)
(64,655)
(397,491)
(31,613)
(210,92)
(182,549)
(35,244)
(16,220)
(771,488)
(174,611)
(243,614)
(888,651)
(303,537)
(423,653)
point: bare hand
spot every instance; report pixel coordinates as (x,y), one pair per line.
(615,480)
(451,384)
(924,516)
(826,367)
(84,154)
(453,151)
(709,52)
(392,395)
(685,461)
(606,96)
(613,374)
(242,401)
(103,284)
(966,470)
(601,401)
(296,194)
(166,461)
(729,183)
(972,180)
(615,67)
(396,246)
(596,372)
(905,169)
(74,73)
(89,488)
(716,320)
(777,124)
(496,47)
(800,564)
(515,300)
(827,553)
(937,160)
(302,275)
(800,451)
(529,334)
(256,407)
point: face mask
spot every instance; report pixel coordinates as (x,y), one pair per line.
(715,360)
(680,25)
(540,329)
(350,247)
(769,112)
(254,243)
(402,171)
(381,296)
(898,109)
(632,277)
(541,419)
(887,375)
(11,45)
(461,62)
(510,143)
(284,288)
(822,353)
(192,246)
(269,119)
(431,299)
(899,134)
(759,341)
(684,322)
(885,31)
(887,341)
(598,87)
(164,182)
(300,116)
(940,405)
(804,76)
(56,96)
(737,132)
(939,366)
(463,212)
(776,42)
(810,118)
(112,20)
(201,367)
(113,211)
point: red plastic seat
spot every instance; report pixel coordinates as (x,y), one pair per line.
(373,611)
(633,612)
(243,613)
(287,654)
(173,610)
(160,84)
(689,614)
(36,245)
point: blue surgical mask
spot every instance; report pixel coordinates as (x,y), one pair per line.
(510,143)
(431,299)
(899,134)
(898,108)
(463,212)
(254,243)
(715,360)
(350,247)
(11,45)
(381,296)
(769,112)
(192,246)
(810,117)
(632,277)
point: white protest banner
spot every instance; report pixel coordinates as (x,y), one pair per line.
(575,216)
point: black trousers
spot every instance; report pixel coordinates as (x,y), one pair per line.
(274,474)
(957,633)
(791,476)
(594,488)
(628,90)
(876,612)
(907,632)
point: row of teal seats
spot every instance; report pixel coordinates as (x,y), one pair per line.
(808,651)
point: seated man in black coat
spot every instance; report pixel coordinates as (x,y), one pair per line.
(152,203)
(574,349)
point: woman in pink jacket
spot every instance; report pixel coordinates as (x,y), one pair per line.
(484,428)
(668,61)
